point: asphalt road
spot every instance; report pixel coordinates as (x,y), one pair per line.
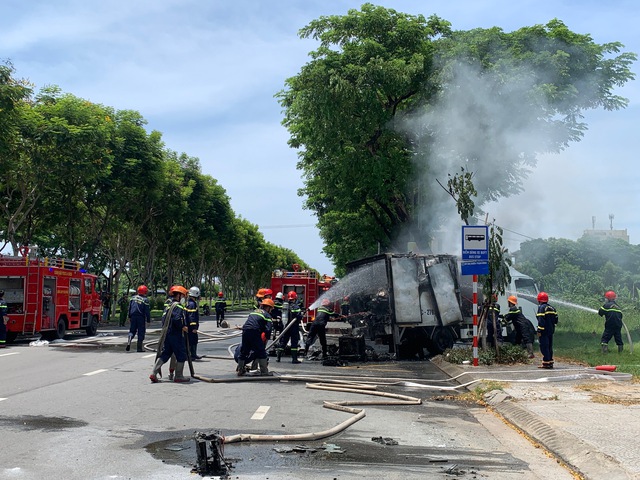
(85,409)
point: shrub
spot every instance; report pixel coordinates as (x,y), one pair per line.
(509,354)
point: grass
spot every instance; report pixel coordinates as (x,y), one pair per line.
(577,339)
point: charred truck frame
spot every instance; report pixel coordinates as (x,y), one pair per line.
(415,301)
(411,302)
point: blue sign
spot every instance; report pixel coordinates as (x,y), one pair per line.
(475,242)
(475,268)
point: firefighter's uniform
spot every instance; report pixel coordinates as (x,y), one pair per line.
(193,323)
(524,330)
(255,331)
(547,321)
(140,316)
(220,306)
(494,315)
(293,334)
(319,329)
(612,325)
(174,341)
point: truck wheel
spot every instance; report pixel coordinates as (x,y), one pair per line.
(92,329)
(442,339)
(61,329)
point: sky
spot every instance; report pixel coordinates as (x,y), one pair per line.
(204,73)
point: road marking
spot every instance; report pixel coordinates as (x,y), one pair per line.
(260,412)
(149,356)
(7,354)
(95,372)
(1,399)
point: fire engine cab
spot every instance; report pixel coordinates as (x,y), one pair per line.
(48,296)
(307,284)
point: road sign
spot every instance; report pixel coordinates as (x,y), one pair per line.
(475,267)
(475,242)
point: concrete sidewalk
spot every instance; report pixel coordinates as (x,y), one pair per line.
(588,418)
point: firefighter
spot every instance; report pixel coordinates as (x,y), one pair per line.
(612,322)
(173,336)
(493,323)
(276,314)
(221,307)
(263,293)
(105,298)
(547,321)
(123,303)
(193,321)
(139,316)
(3,320)
(294,314)
(319,326)
(255,332)
(524,329)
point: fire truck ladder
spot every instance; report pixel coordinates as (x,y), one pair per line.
(312,287)
(31,297)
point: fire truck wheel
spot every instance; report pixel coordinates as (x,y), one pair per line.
(443,338)
(61,329)
(92,329)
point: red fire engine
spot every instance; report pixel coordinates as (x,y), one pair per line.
(308,284)
(48,296)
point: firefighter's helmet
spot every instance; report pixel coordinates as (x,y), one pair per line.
(513,299)
(279,296)
(292,295)
(194,292)
(325,302)
(142,290)
(610,295)
(268,302)
(268,292)
(260,293)
(220,294)
(178,289)
(543,297)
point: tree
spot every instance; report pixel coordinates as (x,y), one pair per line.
(389,101)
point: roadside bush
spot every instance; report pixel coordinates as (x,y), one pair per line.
(509,354)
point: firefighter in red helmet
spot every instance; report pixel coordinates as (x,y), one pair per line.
(547,321)
(139,317)
(221,307)
(612,322)
(294,314)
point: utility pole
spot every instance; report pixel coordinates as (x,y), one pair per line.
(611,221)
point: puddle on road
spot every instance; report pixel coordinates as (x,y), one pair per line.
(262,458)
(39,422)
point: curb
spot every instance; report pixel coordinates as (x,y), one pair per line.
(573,451)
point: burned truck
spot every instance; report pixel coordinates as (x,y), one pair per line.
(408,301)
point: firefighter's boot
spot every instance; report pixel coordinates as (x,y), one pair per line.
(279,352)
(264,367)
(620,348)
(129,343)
(530,350)
(240,368)
(172,368)
(294,357)
(140,348)
(155,375)
(180,378)
(604,347)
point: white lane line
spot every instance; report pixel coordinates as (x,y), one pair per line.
(149,356)
(1,399)
(260,412)
(7,354)
(95,372)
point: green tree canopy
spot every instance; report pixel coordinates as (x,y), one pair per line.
(389,102)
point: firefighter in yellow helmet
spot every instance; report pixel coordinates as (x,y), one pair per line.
(255,332)
(525,333)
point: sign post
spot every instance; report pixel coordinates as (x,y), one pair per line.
(475,261)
